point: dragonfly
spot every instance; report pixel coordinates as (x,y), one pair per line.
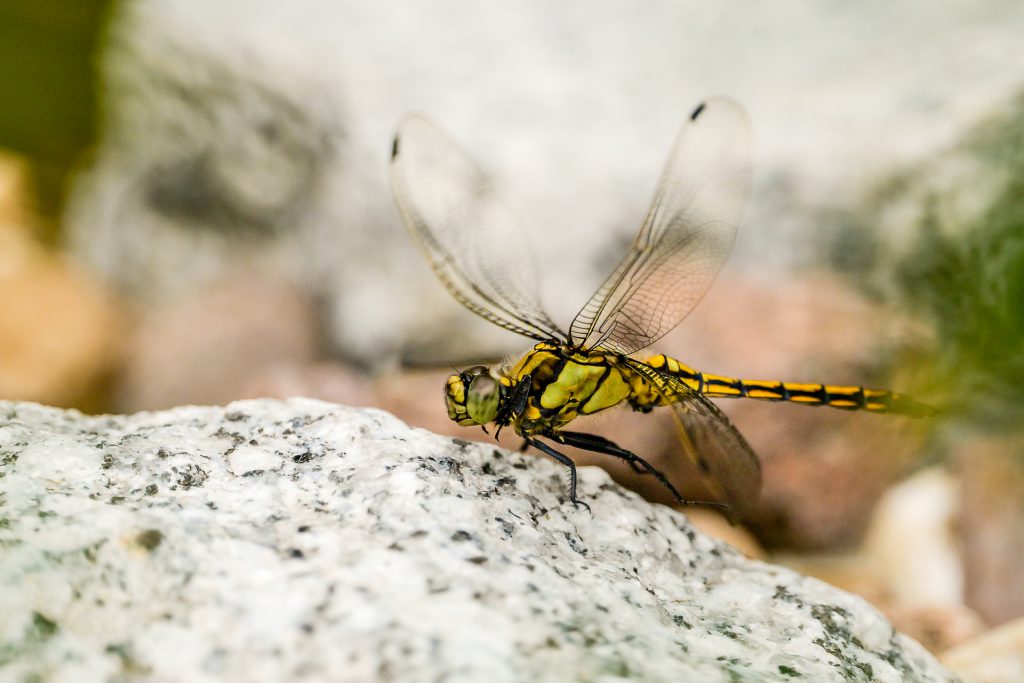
(475,247)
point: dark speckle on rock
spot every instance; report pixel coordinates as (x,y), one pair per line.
(42,628)
(303,457)
(149,539)
(575,543)
(507,527)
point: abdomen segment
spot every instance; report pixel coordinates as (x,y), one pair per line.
(835,396)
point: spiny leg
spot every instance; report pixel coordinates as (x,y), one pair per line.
(593,441)
(599,444)
(565,460)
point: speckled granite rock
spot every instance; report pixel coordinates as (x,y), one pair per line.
(270,541)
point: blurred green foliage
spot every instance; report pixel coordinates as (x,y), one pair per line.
(967,278)
(48,86)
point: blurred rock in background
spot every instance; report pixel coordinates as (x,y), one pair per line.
(945,239)
(991,522)
(219,343)
(60,329)
(909,564)
(996,656)
(230,129)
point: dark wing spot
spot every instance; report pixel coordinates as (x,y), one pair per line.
(697,112)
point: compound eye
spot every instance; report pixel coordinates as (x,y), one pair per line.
(469,374)
(483,397)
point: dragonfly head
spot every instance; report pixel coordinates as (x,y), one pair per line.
(473,396)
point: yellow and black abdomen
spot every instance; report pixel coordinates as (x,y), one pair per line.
(835,396)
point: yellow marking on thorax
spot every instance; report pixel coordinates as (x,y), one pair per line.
(575,381)
(612,391)
(531,412)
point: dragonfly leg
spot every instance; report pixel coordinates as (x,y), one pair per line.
(564,459)
(599,444)
(595,443)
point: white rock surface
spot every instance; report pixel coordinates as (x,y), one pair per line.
(299,540)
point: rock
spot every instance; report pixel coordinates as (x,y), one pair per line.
(913,544)
(324,380)
(60,328)
(289,110)
(302,540)
(716,524)
(913,547)
(996,656)
(909,564)
(937,627)
(991,518)
(59,333)
(220,343)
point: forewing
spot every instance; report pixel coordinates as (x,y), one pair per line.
(474,244)
(728,466)
(686,236)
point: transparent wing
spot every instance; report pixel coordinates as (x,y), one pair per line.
(474,244)
(687,234)
(728,466)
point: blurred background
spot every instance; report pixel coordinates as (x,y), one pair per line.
(194,208)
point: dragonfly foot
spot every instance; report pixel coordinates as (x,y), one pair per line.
(565,460)
(580,503)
